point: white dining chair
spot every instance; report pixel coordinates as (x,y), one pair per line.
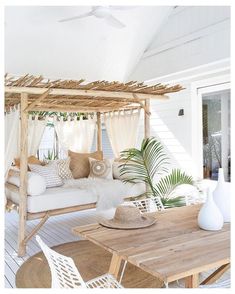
(146,205)
(65,274)
(150,204)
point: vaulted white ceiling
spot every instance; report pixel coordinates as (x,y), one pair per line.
(36,43)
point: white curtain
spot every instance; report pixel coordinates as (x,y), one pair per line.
(75,135)
(11,137)
(122,129)
(36,128)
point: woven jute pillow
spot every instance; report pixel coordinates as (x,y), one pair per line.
(79,163)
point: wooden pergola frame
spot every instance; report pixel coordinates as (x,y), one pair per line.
(38,94)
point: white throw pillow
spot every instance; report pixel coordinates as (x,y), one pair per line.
(50,174)
(101,168)
(36,183)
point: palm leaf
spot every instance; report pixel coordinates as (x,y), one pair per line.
(173,202)
(168,184)
(142,165)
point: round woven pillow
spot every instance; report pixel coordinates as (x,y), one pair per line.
(100,168)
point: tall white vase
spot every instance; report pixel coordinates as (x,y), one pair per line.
(221,196)
(210,217)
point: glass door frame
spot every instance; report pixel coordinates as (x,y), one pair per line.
(198,89)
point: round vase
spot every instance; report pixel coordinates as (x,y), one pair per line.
(210,217)
(221,196)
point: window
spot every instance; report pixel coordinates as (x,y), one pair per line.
(216,133)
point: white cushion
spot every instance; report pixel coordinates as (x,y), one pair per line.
(55,198)
(36,183)
(50,174)
(61,197)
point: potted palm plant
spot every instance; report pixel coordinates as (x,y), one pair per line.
(149,165)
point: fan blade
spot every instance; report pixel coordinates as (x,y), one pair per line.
(76,17)
(114,22)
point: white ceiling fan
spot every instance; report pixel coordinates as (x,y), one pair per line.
(104,12)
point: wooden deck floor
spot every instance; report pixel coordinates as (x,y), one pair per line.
(57,230)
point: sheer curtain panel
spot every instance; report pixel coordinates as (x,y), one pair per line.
(11,136)
(122,129)
(36,128)
(75,135)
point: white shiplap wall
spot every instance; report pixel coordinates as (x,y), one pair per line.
(173,130)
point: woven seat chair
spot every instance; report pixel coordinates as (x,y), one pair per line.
(65,274)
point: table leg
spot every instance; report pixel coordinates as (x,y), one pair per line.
(192,281)
(216,274)
(115,265)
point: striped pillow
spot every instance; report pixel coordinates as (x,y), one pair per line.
(49,172)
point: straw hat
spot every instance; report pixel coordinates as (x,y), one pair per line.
(128,217)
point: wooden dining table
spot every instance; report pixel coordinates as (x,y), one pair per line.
(173,248)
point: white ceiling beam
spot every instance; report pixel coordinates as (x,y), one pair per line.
(200,33)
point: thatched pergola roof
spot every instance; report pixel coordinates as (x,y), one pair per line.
(76,95)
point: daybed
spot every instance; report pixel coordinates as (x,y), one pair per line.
(71,96)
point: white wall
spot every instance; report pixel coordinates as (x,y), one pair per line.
(191,37)
(174,131)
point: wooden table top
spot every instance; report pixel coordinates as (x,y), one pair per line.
(173,248)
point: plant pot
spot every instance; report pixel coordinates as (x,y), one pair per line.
(221,196)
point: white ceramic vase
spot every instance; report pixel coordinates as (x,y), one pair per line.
(210,218)
(221,196)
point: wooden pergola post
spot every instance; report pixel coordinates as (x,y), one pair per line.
(99,132)
(147,119)
(23,174)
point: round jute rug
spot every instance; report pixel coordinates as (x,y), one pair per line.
(91,260)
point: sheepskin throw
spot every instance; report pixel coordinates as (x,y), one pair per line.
(110,193)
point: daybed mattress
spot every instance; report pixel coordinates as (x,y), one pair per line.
(62,197)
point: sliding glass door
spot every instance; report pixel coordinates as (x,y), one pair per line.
(216,132)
